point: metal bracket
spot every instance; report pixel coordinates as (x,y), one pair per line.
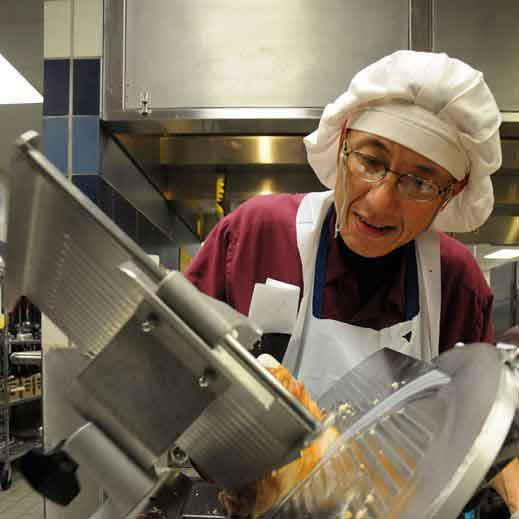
(513,360)
(145,108)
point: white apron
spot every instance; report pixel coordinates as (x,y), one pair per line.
(321,351)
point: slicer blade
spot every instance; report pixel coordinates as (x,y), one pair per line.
(415,440)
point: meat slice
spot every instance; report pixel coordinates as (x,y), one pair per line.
(257,498)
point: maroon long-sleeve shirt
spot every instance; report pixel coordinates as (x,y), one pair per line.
(258,240)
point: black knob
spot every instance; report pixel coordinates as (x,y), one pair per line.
(52,474)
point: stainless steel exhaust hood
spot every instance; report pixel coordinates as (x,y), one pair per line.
(261,67)
(196,92)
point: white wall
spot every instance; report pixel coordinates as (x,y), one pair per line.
(21,43)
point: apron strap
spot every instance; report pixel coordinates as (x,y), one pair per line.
(320,265)
(412,298)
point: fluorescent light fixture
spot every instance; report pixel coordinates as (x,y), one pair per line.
(14,88)
(503,254)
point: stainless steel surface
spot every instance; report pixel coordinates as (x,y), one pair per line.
(197,186)
(237,403)
(421,25)
(283,95)
(175,496)
(203,502)
(497,230)
(422,457)
(189,167)
(243,408)
(143,419)
(503,283)
(54,256)
(190,96)
(146,192)
(232,150)
(29,358)
(186,168)
(125,483)
(459,28)
(487,420)
(502,228)
(61,419)
(195,121)
(277,65)
(127,155)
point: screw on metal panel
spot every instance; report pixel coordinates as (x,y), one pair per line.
(205,380)
(150,323)
(153,513)
(513,359)
(145,108)
(179,455)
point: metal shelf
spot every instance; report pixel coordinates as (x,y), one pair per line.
(17,342)
(12,449)
(22,447)
(3,405)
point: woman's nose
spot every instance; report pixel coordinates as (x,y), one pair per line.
(386,193)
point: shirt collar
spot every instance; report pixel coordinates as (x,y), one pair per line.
(342,261)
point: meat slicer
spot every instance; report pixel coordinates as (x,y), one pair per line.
(171,370)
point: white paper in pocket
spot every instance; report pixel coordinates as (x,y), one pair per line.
(274,306)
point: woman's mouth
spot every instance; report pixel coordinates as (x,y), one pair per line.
(371,228)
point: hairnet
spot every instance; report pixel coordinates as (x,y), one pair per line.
(452,116)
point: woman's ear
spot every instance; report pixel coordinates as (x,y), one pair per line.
(458,187)
(454,190)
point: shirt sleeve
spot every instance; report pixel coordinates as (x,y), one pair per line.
(487,329)
(208,270)
(467,319)
(466,313)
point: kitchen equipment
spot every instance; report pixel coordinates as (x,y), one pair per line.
(169,365)
(420,455)
(169,368)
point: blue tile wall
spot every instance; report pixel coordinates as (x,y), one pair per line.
(56,86)
(86,145)
(55,141)
(89,184)
(149,237)
(125,215)
(86,86)
(97,190)
(106,197)
(132,222)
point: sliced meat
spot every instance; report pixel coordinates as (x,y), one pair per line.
(257,498)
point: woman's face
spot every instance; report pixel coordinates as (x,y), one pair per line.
(377,218)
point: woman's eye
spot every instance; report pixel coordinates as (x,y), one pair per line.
(372,162)
(421,184)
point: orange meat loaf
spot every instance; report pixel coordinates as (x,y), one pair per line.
(257,498)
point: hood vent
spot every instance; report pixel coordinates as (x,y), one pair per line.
(502,228)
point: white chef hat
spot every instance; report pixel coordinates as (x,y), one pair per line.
(435,105)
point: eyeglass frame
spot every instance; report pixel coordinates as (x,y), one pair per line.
(346,152)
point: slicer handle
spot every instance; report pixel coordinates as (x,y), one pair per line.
(52,474)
